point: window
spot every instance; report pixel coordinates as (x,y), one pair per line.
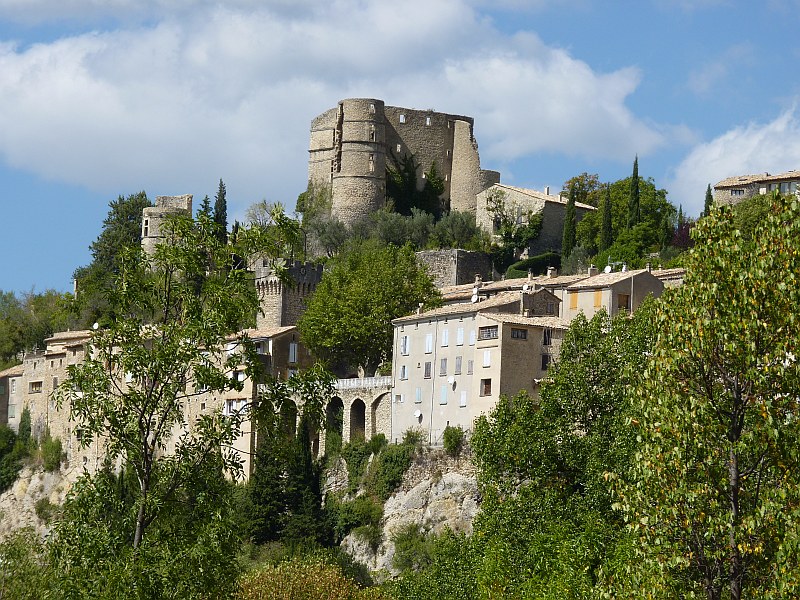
(487,333)
(35,387)
(470,366)
(519,334)
(418,396)
(427,370)
(146,228)
(399,147)
(460,336)
(404,372)
(371,163)
(445,338)
(598,298)
(472,338)
(398,398)
(547,337)
(486,387)
(202,406)
(12,411)
(13,386)
(292,352)
(551,308)
(402,118)
(55,382)
(429,343)
(573,300)
(443,395)
(457,370)
(546,360)
(428,121)
(737,192)
(624,302)
(487,358)
(463,400)
(404,345)
(443,367)
(372,108)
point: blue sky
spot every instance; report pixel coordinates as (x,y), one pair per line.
(106,97)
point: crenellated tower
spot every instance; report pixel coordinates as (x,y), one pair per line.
(282,303)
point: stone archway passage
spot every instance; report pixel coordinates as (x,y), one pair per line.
(358,413)
(334,425)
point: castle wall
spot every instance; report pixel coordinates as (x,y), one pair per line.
(466,179)
(281,303)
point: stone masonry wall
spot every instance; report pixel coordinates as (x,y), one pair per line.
(455,267)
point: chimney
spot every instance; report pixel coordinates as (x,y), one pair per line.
(547,190)
(592,271)
(624,267)
(551,272)
(526,313)
(649,267)
(478,280)
(530,274)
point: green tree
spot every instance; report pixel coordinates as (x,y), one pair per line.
(404,191)
(178,314)
(709,202)
(568,237)
(348,319)
(634,212)
(606,230)
(205,208)
(515,231)
(713,495)
(750,213)
(221,213)
(546,526)
(122,228)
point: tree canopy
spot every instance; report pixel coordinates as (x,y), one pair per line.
(347,323)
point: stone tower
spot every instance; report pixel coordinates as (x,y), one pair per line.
(153,217)
(351,145)
(282,304)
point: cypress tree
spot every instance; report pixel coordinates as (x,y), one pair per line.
(606,234)
(709,202)
(205,208)
(633,198)
(568,239)
(221,212)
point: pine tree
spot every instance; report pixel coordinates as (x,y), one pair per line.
(205,208)
(568,240)
(606,233)
(221,212)
(709,202)
(633,198)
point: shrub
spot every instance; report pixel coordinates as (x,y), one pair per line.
(388,469)
(412,548)
(24,431)
(9,457)
(377,443)
(356,454)
(297,579)
(346,516)
(453,440)
(413,437)
(537,264)
(45,509)
(52,453)
(371,534)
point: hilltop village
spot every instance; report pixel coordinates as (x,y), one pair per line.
(433,385)
(449,364)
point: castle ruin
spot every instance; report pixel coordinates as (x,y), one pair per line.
(352,144)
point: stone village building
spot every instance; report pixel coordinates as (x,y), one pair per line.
(733,190)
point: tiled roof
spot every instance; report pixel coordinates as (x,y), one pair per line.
(549,322)
(461,308)
(269,332)
(605,279)
(740,180)
(542,196)
(63,336)
(13,371)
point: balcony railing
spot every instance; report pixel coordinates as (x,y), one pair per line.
(363,382)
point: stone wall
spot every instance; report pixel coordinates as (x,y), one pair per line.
(455,266)
(282,303)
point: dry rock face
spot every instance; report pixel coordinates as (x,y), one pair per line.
(18,503)
(437,493)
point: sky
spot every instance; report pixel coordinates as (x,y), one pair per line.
(101,98)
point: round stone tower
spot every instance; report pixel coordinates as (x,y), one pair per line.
(153,216)
(358,170)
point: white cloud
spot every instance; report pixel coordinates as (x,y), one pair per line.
(229,91)
(708,76)
(771,147)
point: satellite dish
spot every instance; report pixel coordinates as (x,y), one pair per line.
(451,379)
(607,269)
(96,326)
(474,298)
(526,287)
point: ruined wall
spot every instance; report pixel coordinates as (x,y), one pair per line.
(456,266)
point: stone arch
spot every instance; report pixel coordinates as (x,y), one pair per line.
(358,414)
(378,411)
